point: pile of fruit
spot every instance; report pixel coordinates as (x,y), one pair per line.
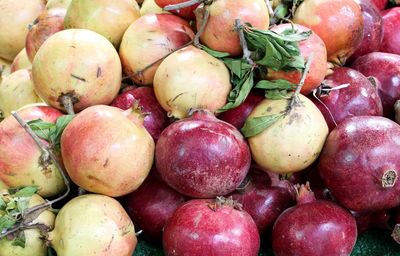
(210,127)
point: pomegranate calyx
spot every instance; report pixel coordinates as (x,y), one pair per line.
(389,178)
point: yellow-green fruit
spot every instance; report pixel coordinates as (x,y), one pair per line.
(293,142)
(108,18)
(15,16)
(2,186)
(93,225)
(5,68)
(57,4)
(150,7)
(34,244)
(16,91)
(21,61)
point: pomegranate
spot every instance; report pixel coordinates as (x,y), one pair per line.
(21,61)
(317,227)
(359,98)
(20,157)
(339,23)
(388,74)
(372,29)
(93,225)
(144,100)
(88,69)
(391,28)
(4,69)
(16,90)
(151,205)
(380,4)
(202,156)
(57,4)
(303,130)
(150,7)
(191,78)
(108,18)
(319,66)
(186,13)
(356,166)
(97,148)
(147,40)
(34,244)
(237,116)
(15,16)
(264,201)
(219,33)
(210,227)
(397,110)
(48,23)
(371,220)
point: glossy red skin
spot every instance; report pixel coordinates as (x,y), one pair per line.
(151,205)
(202,156)
(314,228)
(372,29)
(313,45)
(186,13)
(263,201)
(155,119)
(386,68)
(196,230)
(370,220)
(356,155)
(380,4)
(359,99)
(48,23)
(391,29)
(237,116)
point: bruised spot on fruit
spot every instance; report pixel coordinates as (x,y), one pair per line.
(97,180)
(78,78)
(106,163)
(98,72)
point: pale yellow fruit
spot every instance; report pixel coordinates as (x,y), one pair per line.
(57,4)
(108,18)
(34,244)
(17,90)
(5,68)
(93,225)
(21,61)
(293,142)
(150,7)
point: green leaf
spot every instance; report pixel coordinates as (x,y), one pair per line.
(6,222)
(214,53)
(256,125)
(22,204)
(277,94)
(20,240)
(41,128)
(12,205)
(3,204)
(275,84)
(61,123)
(26,192)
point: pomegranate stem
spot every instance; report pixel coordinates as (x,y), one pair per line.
(173,7)
(243,43)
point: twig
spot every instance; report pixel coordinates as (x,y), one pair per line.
(140,72)
(173,7)
(243,43)
(204,11)
(270,10)
(68,103)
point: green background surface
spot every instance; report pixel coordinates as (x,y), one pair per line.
(372,243)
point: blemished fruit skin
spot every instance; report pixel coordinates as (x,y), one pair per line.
(202,156)
(19,154)
(360,163)
(293,142)
(105,152)
(93,225)
(15,16)
(198,228)
(35,245)
(88,69)
(108,18)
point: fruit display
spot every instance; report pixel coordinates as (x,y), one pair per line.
(200,127)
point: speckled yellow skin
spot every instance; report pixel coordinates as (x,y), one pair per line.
(21,61)
(108,18)
(93,225)
(80,62)
(57,4)
(191,78)
(34,245)
(293,142)
(16,91)
(15,16)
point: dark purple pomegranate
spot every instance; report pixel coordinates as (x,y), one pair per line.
(360,98)
(391,28)
(202,156)
(314,227)
(386,68)
(143,98)
(371,220)
(360,163)
(237,116)
(211,227)
(264,201)
(372,30)
(151,205)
